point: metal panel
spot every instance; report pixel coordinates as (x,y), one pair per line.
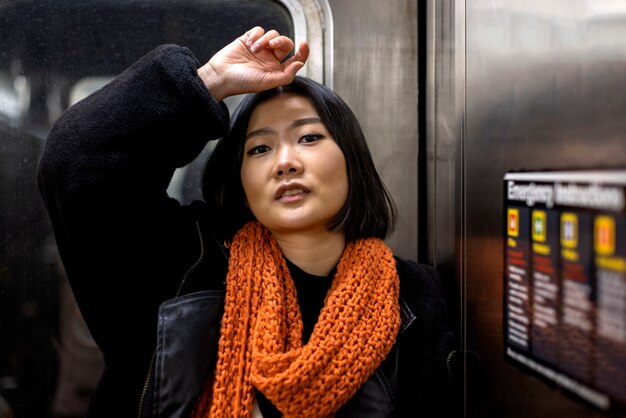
(376,74)
(444,117)
(542,87)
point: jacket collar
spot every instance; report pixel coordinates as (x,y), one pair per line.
(408,282)
(406,315)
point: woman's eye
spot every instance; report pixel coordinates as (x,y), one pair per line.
(259,149)
(310,138)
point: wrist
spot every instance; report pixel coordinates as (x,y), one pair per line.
(213,81)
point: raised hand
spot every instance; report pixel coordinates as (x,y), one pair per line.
(253,63)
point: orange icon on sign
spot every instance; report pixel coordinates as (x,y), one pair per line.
(604,235)
(513,222)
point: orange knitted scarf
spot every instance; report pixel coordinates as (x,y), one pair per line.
(260,343)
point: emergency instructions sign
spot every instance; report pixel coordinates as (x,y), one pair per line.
(565,280)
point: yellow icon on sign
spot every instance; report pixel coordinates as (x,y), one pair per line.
(539,225)
(604,235)
(513,222)
(569,230)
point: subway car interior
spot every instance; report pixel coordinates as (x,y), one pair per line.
(499,127)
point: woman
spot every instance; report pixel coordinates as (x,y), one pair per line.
(276,297)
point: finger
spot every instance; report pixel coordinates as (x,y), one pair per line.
(282,46)
(300,56)
(278,78)
(263,42)
(303,52)
(291,69)
(253,35)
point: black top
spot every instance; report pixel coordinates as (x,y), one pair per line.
(311,290)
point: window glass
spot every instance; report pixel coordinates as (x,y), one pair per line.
(53,53)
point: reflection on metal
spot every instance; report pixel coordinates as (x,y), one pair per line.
(445,140)
(445,92)
(514,85)
(14,97)
(84,87)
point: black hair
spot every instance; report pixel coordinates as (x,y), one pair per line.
(369,210)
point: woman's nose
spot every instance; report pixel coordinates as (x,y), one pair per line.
(288,162)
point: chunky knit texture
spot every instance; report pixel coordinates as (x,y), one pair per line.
(261,332)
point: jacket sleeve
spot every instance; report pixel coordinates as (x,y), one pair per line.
(104,174)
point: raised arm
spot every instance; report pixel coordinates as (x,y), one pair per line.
(108,161)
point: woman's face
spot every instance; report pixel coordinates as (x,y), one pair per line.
(293,172)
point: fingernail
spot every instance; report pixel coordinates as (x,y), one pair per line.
(255,48)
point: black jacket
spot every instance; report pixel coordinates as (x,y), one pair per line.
(148,273)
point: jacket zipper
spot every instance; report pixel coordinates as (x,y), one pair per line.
(178,291)
(448,361)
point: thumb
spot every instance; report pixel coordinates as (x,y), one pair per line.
(293,68)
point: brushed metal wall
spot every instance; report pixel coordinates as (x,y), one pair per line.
(375,72)
(513,85)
